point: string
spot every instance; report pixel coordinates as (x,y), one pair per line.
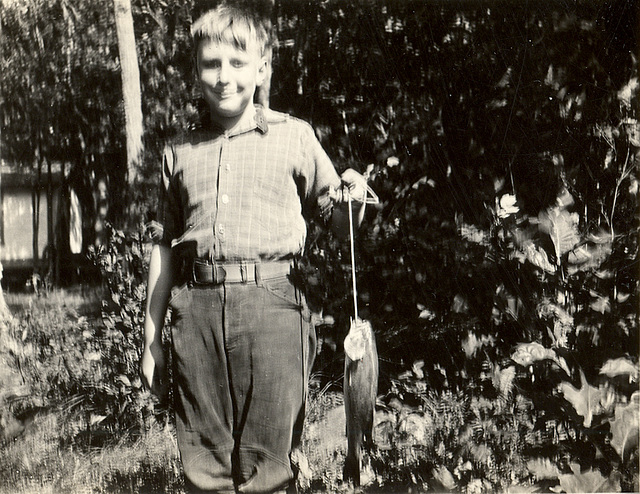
(353,260)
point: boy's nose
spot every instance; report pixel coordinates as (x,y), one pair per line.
(223,75)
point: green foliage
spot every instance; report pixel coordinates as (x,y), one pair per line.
(68,360)
(55,55)
(572,296)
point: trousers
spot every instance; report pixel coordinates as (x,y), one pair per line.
(242,354)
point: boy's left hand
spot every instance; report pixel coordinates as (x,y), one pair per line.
(153,371)
(356,188)
(356,183)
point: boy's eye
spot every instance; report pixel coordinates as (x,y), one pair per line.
(237,64)
(211,64)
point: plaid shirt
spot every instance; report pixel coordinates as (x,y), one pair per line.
(241,195)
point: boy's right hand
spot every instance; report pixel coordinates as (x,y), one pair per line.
(153,370)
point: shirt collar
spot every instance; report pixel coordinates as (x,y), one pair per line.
(260,119)
(254,119)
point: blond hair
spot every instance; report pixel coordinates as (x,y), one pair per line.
(234,26)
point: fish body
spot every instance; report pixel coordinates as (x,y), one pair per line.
(360,391)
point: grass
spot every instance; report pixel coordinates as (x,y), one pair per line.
(49,450)
(38,461)
(84,299)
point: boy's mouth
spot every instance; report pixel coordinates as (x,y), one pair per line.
(225,94)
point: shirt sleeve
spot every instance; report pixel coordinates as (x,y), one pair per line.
(165,229)
(319,174)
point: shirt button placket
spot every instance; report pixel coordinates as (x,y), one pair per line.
(223,197)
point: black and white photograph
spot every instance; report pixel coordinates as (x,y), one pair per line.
(319,246)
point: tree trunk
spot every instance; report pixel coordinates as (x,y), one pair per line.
(35,205)
(51,243)
(5,314)
(132,99)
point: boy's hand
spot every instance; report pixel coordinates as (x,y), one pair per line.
(356,188)
(356,183)
(153,370)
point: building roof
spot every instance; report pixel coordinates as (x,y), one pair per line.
(13,176)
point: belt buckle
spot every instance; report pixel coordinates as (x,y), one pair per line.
(218,273)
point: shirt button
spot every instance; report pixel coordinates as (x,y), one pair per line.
(225,199)
(221,229)
(227,166)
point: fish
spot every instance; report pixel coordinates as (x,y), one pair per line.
(360,390)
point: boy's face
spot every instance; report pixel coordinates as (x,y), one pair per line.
(228,78)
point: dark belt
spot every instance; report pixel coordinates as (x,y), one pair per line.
(213,273)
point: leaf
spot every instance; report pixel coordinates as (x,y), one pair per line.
(392,161)
(419,182)
(460,304)
(622,297)
(562,227)
(414,428)
(471,344)
(619,367)
(600,303)
(417,368)
(585,400)
(528,353)
(589,481)
(507,206)
(543,468)
(502,379)
(562,321)
(548,310)
(425,313)
(444,477)
(96,419)
(626,426)
(473,234)
(538,257)
(591,255)
(124,380)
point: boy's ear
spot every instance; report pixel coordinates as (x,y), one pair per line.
(262,71)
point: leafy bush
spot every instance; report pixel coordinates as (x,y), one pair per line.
(452,441)
(53,359)
(505,245)
(49,345)
(123,263)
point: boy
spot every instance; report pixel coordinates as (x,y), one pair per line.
(230,227)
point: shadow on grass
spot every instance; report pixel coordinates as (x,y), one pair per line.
(148,480)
